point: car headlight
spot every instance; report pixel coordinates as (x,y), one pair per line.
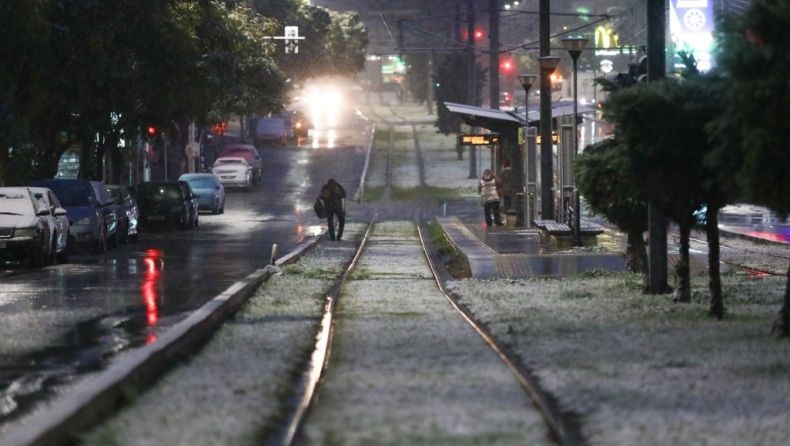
(27,232)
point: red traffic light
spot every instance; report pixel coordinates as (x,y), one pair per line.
(479,34)
(506,65)
(152,130)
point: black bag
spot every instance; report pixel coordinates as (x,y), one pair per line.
(318,207)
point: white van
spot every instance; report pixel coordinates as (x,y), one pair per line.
(271,130)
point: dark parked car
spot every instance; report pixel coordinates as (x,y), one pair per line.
(167,203)
(127,211)
(91,219)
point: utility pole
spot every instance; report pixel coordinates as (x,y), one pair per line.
(493,47)
(657,222)
(546,149)
(470,42)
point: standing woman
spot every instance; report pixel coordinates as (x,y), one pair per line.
(488,192)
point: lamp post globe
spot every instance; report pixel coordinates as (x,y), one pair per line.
(527,80)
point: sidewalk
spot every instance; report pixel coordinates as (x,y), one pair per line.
(511,252)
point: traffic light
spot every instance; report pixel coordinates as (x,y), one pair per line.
(506,65)
(478,35)
(151,131)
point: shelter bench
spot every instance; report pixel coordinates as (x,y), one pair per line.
(561,235)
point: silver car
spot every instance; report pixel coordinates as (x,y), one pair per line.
(25,229)
(233,172)
(58,224)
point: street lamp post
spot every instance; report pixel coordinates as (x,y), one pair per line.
(575,46)
(525,210)
(526,83)
(547,66)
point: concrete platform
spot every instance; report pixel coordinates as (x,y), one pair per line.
(511,252)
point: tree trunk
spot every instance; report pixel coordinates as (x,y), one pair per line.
(714,272)
(636,253)
(682,270)
(782,322)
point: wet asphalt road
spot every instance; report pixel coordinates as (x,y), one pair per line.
(62,320)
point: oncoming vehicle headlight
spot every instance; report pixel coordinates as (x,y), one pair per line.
(83,221)
(27,232)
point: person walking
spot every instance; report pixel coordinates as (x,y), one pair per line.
(333,195)
(487,187)
(507,186)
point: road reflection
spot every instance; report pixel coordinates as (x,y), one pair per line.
(153,265)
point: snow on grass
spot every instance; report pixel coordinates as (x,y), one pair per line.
(769,257)
(443,169)
(641,369)
(405,168)
(377,169)
(442,166)
(231,392)
(406,368)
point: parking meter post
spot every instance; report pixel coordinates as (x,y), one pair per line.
(520,209)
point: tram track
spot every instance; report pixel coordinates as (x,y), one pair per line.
(314,377)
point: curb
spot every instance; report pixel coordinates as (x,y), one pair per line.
(63,421)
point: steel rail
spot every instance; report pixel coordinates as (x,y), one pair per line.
(565,432)
(309,382)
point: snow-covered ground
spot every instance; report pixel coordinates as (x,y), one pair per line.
(640,369)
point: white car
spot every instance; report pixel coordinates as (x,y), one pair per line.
(58,223)
(25,234)
(233,172)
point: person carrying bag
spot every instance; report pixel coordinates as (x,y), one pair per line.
(333,196)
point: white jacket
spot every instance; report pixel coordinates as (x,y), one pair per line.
(487,189)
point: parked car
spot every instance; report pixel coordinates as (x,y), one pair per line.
(250,154)
(167,203)
(88,213)
(271,130)
(126,209)
(25,234)
(233,172)
(209,189)
(58,224)
(112,214)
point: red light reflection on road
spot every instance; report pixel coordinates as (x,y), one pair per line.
(153,266)
(783,237)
